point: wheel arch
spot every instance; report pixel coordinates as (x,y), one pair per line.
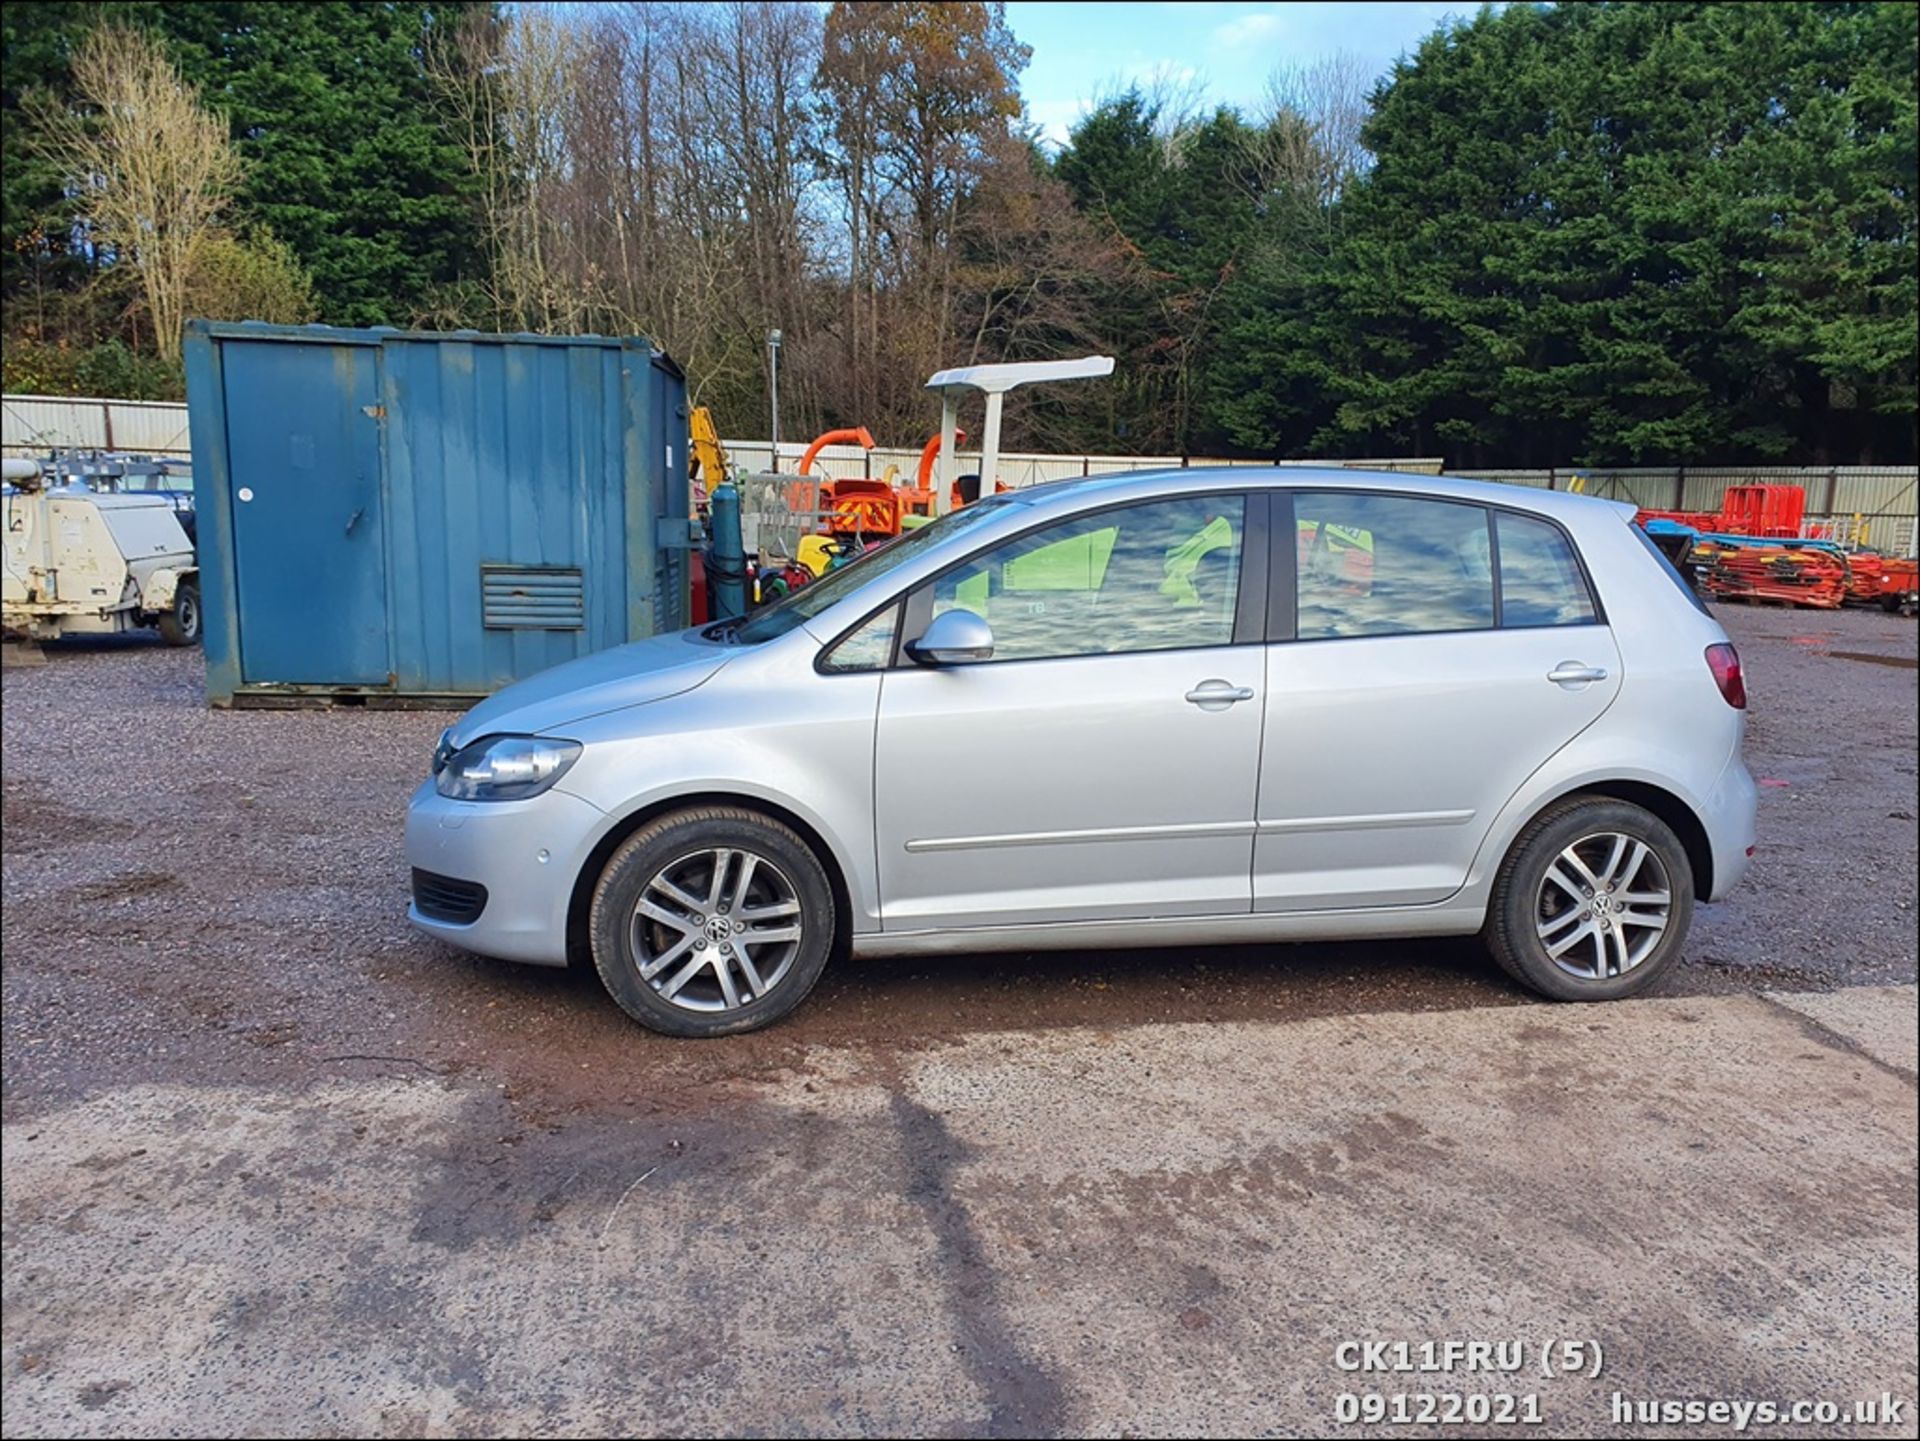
(1673,810)
(580,901)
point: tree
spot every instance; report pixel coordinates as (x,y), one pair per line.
(254,277)
(152,169)
(350,161)
(347,162)
(1615,233)
(37,262)
(918,101)
(1192,199)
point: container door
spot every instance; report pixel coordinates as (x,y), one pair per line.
(303,435)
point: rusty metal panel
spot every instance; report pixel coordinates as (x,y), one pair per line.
(1875,490)
(32,425)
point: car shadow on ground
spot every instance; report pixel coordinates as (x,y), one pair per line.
(928,997)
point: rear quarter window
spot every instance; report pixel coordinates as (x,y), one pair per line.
(1660,559)
(1541,583)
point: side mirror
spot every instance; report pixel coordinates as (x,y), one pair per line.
(956,637)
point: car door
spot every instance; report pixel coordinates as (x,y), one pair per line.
(1102,764)
(1430,656)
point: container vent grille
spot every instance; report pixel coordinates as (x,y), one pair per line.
(532,597)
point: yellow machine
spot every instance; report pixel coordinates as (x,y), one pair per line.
(816,551)
(708,455)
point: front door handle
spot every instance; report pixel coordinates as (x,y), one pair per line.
(1218,694)
(1572,672)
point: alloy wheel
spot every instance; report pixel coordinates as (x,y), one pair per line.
(1603,905)
(716,929)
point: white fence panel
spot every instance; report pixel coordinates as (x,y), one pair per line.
(149,428)
(1884,497)
(34,424)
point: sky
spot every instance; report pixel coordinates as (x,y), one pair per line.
(1083,50)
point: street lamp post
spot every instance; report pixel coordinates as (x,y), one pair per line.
(773,365)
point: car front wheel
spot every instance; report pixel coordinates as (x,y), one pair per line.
(711,921)
(1592,903)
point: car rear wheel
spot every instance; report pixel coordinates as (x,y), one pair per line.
(1592,903)
(712,921)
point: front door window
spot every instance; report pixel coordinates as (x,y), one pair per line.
(1159,576)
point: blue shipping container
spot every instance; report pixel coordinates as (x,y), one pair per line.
(421,517)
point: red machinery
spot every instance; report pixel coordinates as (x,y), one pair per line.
(1758,546)
(1799,575)
(854,506)
(1892,582)
(1767,511)
(862,507)
(1764,510)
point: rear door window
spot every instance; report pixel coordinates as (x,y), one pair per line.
(1660,558)
(1390,565)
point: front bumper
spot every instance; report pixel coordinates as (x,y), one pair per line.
(526,853)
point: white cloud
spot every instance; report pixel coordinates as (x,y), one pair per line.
(1250,29)
(1056,118)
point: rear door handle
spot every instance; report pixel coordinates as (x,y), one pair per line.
(1572,672)
(1218,695)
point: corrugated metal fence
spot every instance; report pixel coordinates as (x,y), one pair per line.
(1879,500)
(35,423)
(1873,503)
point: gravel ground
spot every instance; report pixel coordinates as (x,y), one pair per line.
(195,895)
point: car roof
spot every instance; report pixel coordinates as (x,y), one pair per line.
(1122,485)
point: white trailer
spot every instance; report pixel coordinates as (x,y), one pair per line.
(86,561)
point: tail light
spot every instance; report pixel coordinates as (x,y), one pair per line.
(1724,661)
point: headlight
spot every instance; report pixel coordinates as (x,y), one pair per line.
(505,768)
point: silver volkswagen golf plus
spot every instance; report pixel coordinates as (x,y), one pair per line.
(1221,705)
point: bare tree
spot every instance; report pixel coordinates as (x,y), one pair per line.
(1311,120)
(152,168)
(646,169)
(919,101)
(671,170)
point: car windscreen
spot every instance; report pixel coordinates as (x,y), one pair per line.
(836,585)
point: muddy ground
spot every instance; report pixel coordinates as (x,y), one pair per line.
(282,1163)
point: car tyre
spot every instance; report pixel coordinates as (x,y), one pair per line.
(667,867)
(181,624)
(1574,908)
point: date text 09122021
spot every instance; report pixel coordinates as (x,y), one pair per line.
(1429,1408)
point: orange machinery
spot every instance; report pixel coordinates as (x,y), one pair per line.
(852,507)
